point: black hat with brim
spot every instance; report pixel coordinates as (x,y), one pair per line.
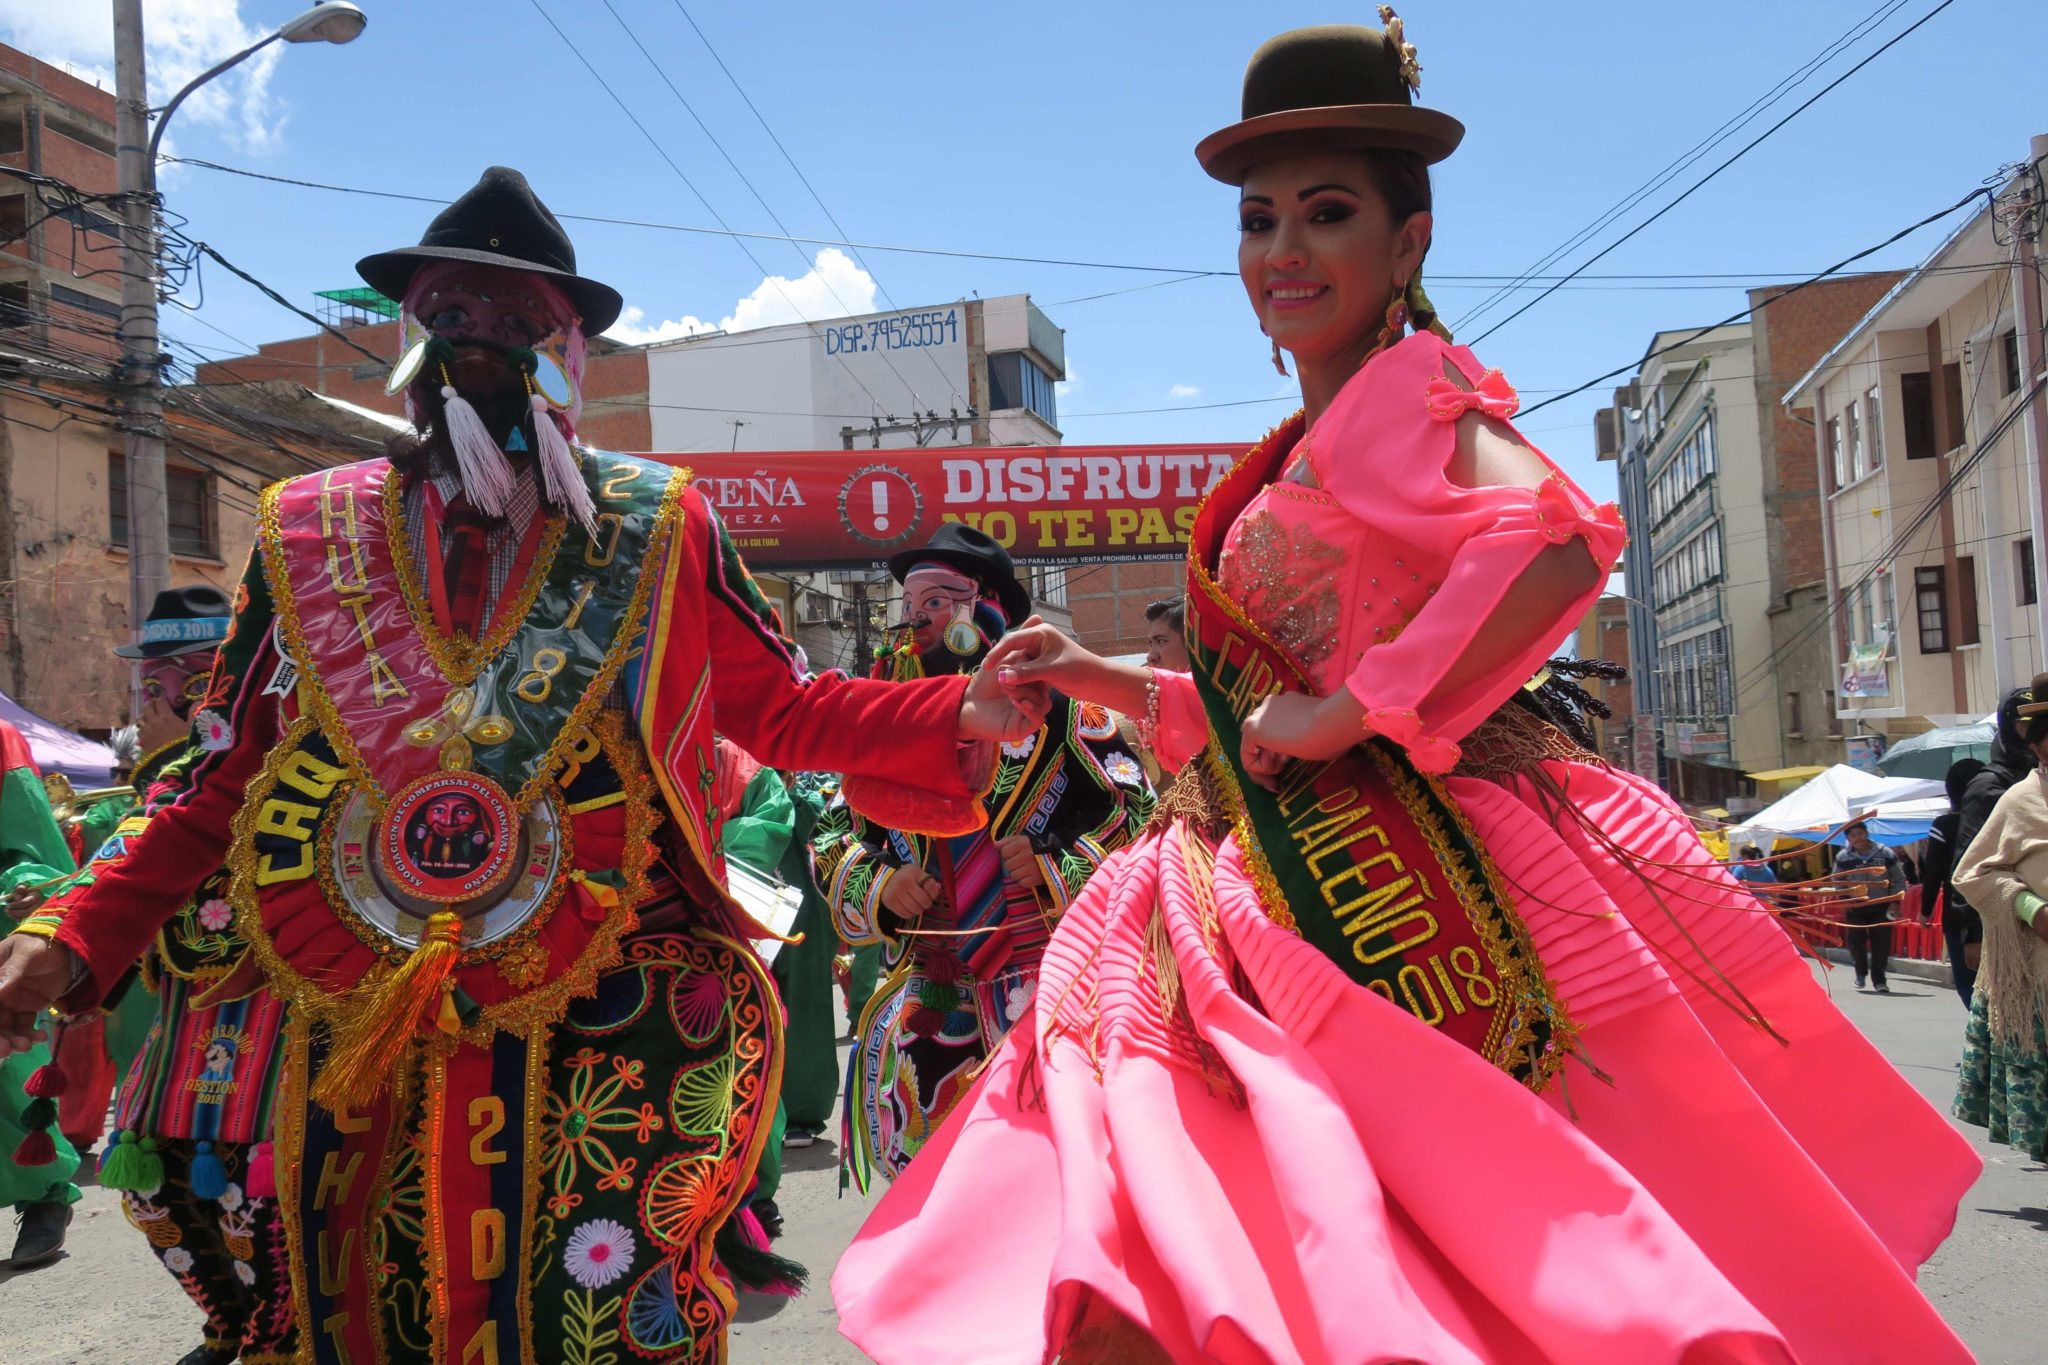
(499,222)
(181,621)
(978,555)
(1334,87)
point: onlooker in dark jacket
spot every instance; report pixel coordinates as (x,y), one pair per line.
(1959,923)
(1874,872)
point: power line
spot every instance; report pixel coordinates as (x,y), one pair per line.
(810,188)
(662,152)
(1975,194)
(1686,159)
(1704,180)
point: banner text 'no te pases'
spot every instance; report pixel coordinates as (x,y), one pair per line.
(791,509)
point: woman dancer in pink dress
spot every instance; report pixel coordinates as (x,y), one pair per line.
(1417,1033)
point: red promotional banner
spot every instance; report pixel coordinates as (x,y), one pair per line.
(817,508)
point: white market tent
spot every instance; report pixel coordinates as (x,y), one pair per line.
(1900,808)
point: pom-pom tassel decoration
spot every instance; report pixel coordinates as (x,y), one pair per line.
(561,476)
(37,1149)
(262,1181)
(486,473)
(132,1165)
(46,1082)
(209,1177)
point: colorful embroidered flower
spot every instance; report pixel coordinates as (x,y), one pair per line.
(1124,770)
(177,1260)
(245,1272)
(598,1252)
(216,915)
(214,731)
(231,1197)
(1020,748)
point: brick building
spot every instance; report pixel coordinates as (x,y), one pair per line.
(60,231)
(615,413)
(1790,336)
(1726,570)
(1604,635)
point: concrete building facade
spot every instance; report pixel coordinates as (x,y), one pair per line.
(1930,461)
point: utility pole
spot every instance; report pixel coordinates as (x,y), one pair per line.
(862,658)
(923,428)
(2026,287)
(149,533)
(737,423)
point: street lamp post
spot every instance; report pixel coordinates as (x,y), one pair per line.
(142,360)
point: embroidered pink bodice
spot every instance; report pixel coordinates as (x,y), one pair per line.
(1378,578)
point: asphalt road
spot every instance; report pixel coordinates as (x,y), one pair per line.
(109,1303)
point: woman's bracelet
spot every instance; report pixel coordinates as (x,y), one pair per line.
(1148,728)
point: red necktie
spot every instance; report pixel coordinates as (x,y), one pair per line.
(467,570)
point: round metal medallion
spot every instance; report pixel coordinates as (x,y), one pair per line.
(448,841)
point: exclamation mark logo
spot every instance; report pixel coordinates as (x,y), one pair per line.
(881,495)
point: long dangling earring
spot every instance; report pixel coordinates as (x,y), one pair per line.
(1278,363)
(1397,316)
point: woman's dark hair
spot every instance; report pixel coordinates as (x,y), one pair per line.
(1402,179)
(1752,852)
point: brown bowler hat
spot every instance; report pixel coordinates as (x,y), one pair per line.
(1331,87)
(2037,697)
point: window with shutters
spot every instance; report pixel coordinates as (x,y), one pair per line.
(1836,471)
(1966,632)
(1930,601)
(188,496)
(1873,429)
(2023,570)
(1916,411)
(2009,361)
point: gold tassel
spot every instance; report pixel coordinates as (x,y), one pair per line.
(382,1015)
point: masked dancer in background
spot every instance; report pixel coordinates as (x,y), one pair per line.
(1420,1033)
(965,920)
(191,1157)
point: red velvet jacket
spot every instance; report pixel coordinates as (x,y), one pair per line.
(890,733)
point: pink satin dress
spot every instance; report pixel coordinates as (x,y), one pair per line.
(1264,1162)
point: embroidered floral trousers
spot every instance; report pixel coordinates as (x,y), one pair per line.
(227,1254)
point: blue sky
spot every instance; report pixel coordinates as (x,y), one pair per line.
(1066,130)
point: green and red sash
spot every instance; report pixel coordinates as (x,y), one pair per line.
(1368,859)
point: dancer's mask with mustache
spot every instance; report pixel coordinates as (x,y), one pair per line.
(454,313)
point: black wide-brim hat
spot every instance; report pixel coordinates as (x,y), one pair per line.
(978,555)
(1334,87)
(181,621)
(499,222)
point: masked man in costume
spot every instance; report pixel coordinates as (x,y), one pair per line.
(463,781)
(964,920)
(192,1158)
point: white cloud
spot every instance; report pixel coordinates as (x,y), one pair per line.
(1184,391)
(834,287)
(1070,383)
(184,38)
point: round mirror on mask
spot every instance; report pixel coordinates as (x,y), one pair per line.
(551,380)
(408,367)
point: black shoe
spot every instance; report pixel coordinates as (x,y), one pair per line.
(1883,989)
(1859,983)
(210,1355)
(40,1233)
(770,1216)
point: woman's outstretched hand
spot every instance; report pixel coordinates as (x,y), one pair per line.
(1038,655)
(1292,725)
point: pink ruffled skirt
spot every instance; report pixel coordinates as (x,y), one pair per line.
(1320,1177)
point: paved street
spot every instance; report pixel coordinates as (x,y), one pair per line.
(110,1304)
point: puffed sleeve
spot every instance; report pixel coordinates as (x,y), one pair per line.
(1382,450)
